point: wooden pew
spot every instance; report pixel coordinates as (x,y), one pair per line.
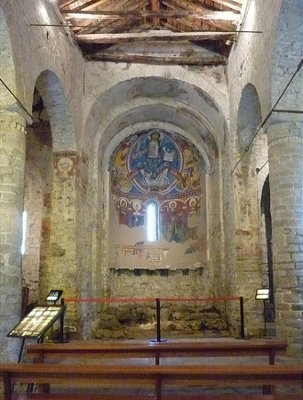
(42,396)
(156,375)
(204,348)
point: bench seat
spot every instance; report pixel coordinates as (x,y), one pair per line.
(156,376)
(202,348)
(222,396)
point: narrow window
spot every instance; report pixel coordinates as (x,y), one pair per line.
(152,219)
(24,226)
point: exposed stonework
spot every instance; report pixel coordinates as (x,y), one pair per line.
(138,321)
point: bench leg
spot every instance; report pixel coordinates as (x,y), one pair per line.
(8,387)
(158,388)
(268,389)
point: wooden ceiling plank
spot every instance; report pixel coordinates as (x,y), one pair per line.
(154,36)
(201,11)
(231,5)
(112,23)
(220,23)
(88,5)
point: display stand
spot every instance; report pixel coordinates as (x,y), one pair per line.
(263,294)
(36,323)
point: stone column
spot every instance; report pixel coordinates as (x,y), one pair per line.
(12,163)
(247,276)
(286,192)
(58,261)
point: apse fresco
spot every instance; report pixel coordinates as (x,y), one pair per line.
(162,167)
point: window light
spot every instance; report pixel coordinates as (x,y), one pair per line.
(24,226)
(151,213)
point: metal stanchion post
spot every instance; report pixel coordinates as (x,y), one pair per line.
(242,335)
(158,319)
(62,323)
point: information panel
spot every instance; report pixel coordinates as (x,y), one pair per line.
(37,322)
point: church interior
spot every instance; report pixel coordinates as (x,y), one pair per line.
(152,150)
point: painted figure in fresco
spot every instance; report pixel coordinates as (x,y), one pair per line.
(123,211)
(174,223)
(154,162)
(137,215)
(193,219)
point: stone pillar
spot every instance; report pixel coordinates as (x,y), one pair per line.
(286,192)
(58,261)
(247,276)
(12,163)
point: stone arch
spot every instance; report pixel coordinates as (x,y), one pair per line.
(122,110)
(249,116)
(62,127)
(51,149)
(179,92)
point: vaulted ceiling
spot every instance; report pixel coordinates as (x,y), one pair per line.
(193,32)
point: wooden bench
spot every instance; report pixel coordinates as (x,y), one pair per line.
(38,396)
(156,375)
(205,348)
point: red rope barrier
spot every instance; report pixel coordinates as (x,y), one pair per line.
(214,299)
(149,299)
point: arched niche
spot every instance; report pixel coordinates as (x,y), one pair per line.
(55,102)
(251,155)
(132,92)
(129,107)
(161,168)
(51,200)
(248,117)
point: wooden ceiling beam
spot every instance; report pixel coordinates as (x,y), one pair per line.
(158,60)
(154,36)
(161,14)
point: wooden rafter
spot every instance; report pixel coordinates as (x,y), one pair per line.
(99,25)
(155,6)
